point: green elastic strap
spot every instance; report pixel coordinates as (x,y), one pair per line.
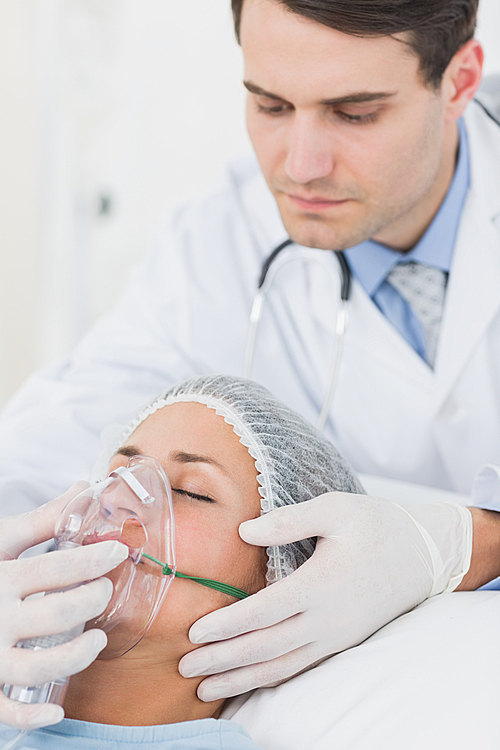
(224,587)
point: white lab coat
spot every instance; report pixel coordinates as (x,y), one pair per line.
(186,309)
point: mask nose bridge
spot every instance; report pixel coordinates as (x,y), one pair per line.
(133,532)
(137,488)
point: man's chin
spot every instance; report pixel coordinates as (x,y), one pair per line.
(320,236)
(322,232)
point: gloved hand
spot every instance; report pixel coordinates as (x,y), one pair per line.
(21,619)
(373,562)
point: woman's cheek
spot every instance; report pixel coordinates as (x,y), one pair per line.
(206,547)
(198,541)
(191,536)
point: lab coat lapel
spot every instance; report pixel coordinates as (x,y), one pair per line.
(473,293)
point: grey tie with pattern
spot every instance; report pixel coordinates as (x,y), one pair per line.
(423,287)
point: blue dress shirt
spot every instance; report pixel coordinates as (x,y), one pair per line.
(370,262)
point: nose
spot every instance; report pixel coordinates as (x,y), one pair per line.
(311,147)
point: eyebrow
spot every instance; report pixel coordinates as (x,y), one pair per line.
(129,451)
(192,458)
(360,97)
(179,456)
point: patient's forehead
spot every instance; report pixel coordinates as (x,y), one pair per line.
(194,429)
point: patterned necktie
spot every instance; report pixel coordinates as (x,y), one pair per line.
(423,287)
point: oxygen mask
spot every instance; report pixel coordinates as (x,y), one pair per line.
(134,506)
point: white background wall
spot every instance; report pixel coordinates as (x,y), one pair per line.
(111,112)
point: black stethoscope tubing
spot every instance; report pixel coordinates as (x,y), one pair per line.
(345,271)
(340,324)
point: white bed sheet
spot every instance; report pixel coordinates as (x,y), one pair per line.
(429,680)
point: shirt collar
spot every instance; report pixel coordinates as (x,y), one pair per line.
(370,262)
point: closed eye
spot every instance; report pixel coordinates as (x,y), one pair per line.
(275,109)
(357,119)
(194,495)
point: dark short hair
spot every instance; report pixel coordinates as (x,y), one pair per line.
(436,28)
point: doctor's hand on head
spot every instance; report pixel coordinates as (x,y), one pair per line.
(374,560)
(23,618)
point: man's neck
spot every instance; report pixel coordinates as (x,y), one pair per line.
(136,691)
(404,233)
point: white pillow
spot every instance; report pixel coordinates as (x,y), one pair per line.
(430,679)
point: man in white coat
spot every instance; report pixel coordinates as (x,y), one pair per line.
(367,140)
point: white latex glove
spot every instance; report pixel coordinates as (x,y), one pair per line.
(373,561)
(51,614)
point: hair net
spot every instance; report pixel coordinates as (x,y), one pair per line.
(294,461)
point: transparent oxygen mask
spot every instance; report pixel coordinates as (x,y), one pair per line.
(134,506)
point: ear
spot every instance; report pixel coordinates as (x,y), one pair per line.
(462,78)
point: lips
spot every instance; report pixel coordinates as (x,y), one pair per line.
(132,533)
(316,202)
(94,537)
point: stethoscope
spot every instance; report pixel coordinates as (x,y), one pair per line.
(342,281)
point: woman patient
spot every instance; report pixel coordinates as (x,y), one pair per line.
(231,451)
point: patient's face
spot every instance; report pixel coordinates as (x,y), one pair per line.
(214,488)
